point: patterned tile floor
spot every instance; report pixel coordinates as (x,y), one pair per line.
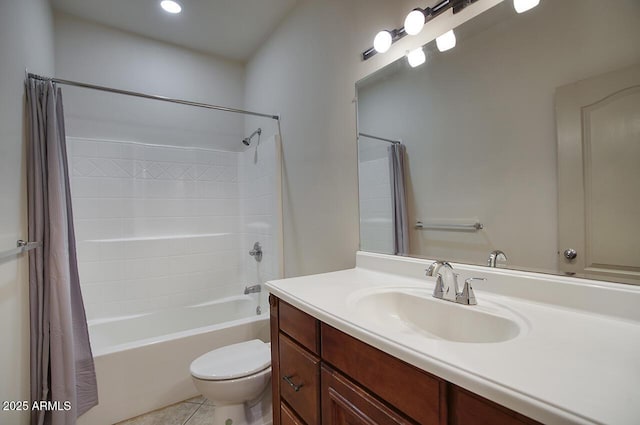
(195,411)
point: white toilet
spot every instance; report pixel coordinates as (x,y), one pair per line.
(236,379)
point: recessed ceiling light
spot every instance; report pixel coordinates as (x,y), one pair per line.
(171,6)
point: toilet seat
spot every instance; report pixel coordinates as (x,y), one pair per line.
(232,361)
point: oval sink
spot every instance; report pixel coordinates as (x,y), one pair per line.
(407,312)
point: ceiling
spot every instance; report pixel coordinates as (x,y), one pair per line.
(233,29)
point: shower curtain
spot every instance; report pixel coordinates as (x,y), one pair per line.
(62,369)
(396,154)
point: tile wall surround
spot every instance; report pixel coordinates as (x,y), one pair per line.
(260,210)
(164,226)
(376,222)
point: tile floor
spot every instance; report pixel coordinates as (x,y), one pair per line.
(195,411)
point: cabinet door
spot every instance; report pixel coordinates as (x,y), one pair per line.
(345,403)
(288,417)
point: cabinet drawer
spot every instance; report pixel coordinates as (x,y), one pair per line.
(300,380)
(419,395)
(299,326)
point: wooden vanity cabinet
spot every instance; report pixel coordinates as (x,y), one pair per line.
(322,376)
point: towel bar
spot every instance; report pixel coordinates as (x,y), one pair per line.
(21,246)
(473,227)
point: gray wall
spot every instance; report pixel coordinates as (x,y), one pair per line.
(306,71)
(26,41)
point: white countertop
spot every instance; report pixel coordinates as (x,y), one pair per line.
(576,360)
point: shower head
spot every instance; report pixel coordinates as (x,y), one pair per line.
(247,140)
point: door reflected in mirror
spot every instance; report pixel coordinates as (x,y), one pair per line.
(524,138)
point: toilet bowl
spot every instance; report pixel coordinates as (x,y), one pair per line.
(235,378)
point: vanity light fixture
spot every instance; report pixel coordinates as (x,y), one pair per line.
(446,41)
(415,20)
(413,24)
(522,6)
(383,41)
(416,57)
(171,6)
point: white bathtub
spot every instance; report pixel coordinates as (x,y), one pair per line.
(142,362)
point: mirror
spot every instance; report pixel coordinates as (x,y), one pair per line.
(524,138)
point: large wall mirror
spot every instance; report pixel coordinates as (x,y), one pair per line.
(524,138)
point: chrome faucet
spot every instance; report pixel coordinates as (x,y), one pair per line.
(495,256)
(252,289)
(447,284)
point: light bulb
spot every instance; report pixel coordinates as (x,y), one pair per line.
(414,22)
(171,6)
(382,42)
(522,6)
(446,41)
(416,57)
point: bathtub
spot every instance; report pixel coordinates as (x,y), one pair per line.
(142,361)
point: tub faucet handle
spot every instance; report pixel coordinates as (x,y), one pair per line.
(256,252)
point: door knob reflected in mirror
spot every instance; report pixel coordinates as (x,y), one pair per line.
(570,254)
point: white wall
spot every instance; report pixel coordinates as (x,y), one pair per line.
(105,56)
(306,71)
(26,40)
(479,125)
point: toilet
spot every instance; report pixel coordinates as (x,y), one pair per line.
(236,378)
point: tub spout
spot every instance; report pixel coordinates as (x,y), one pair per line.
(252,289)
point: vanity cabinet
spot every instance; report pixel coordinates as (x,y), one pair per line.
(322,376)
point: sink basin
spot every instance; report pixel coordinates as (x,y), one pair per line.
(416,312)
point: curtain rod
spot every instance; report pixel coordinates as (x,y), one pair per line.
(150,96)
(395,142)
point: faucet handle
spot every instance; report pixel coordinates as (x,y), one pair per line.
(467,296)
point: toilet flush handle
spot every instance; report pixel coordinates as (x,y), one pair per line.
(288,380)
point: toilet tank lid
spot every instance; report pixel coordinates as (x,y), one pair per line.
(232,361)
